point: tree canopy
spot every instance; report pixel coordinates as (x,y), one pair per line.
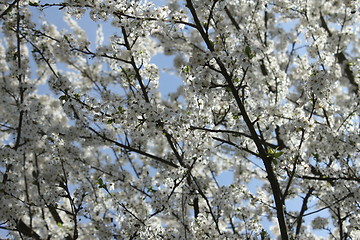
(269,98)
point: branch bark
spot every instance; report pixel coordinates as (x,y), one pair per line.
(166,162)
(261,149)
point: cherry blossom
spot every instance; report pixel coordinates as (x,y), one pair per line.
(268,101)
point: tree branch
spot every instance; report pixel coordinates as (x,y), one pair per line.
(262,152)
(134,149)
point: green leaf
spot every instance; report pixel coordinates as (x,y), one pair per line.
(151,190)
(186,69)
(121,110)
(102,185)
(248,52)
(64,98)
(274,153)
(100,181)
(277,154)
(110,121)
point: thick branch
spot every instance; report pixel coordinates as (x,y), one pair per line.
(261,149)
(302,211)
(26,230)
(19,77)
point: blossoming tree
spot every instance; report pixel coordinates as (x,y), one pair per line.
(270,92)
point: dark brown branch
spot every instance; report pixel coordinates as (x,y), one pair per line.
(262,152)
(302,211)
(281,144)
(210,16)
(26,230)
(55,214)
(232,19)
(173,148)
(220,131)
(235,145)
(196,207)
(202,194)
(132,214)
(74,209)
(136,69)
(340,223)
(350,75)
(122,14)
(134,149)
(8,9)
(341,58)
(330,179)
(19,77)
(296,160)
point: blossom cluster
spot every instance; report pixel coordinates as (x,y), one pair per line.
(269,95)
